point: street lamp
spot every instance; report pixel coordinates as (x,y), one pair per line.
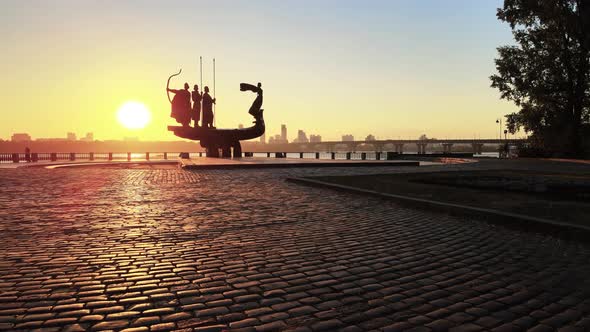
(499,121)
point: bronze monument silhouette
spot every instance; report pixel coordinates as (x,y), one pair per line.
(213,139)
(181,103)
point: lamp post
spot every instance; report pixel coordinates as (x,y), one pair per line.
(499,121)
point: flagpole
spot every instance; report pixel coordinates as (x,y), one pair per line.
(201,70)
(214,117)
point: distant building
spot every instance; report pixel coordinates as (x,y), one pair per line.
(71,136)
(315,138)
(263,139)
(21,137)
(131,139)
(347,138)
(240,126)
(370,138)
(51,139)
(301,137)
(88,138)
(284,133)
(278,139)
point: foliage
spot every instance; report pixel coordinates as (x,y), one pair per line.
(547,73)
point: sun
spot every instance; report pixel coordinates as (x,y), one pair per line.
(133,115)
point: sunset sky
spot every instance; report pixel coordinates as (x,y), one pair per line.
(392,68)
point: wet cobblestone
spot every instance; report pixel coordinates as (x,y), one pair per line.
(166,249)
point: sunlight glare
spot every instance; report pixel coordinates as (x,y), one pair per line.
(133,115)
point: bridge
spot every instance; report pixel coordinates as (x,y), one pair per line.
(398,145)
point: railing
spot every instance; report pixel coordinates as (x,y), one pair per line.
(6,158)
(129,156)
(326,155)
(133,156)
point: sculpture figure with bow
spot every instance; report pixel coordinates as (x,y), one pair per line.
(181,103)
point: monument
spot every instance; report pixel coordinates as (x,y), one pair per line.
(213,139)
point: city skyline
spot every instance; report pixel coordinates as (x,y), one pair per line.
(389,69)
(302,136)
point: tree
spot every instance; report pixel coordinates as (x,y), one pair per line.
(547,73)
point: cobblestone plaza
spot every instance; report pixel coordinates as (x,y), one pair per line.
(243,250)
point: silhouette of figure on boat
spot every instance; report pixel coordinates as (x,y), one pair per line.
(254,110)
(181,105)
(197,97)
(208,109)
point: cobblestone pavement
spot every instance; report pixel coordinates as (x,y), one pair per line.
(167,249)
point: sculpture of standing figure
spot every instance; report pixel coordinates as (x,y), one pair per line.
(208,109)
(197,97)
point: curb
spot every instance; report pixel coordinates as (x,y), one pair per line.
(510,220)
(302,165)
(101,164)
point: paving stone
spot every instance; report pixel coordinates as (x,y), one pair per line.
(60,321)
(176,316)
(110,325)
(136,329)
(273,326)
(328,325)
(244,323)
(217,311)
(304,310)
(145,321)
(211,328)
(162,327)
(73,328)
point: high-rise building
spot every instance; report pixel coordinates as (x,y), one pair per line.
(370,138)
(276,139)
(71,136)
(284,133)
(263,138)
(88,138)
(301,137)
(315,138)
(347,138)
(21,137)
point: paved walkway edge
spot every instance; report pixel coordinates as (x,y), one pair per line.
(512,220)
(186,165)
(74,164)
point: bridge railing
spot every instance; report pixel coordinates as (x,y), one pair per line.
(325,155)
(6,158)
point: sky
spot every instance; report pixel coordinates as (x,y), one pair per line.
(391,68)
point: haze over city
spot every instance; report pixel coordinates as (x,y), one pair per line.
(389,68)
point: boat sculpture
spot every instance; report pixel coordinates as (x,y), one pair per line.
(226,140)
